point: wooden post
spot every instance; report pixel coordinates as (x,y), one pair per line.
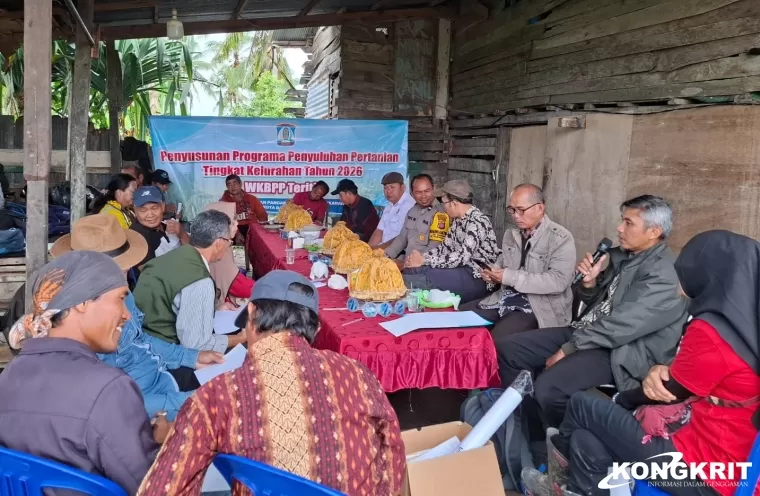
(38,27)
(500,172)
(79,115)
(114,104)
(442,68)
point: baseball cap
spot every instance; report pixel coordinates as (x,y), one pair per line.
(345,185)
(147,194)
(393,178)
(455,187)
(161,176)
(274,286)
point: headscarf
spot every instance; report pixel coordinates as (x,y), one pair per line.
(67,281)
(720,272)
(224,271)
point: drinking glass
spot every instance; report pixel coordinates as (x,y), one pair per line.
(290,256)
(412,303)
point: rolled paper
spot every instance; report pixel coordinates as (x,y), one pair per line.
(498,413)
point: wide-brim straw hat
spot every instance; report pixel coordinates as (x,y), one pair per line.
(104,234)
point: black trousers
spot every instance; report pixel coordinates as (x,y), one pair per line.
(458,280)
(554,386)
(597,432)
(503,327)
(186,379)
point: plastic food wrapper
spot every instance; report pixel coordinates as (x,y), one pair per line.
(337,282)
(292,234)
(319,271)
(499,412)
(440,298)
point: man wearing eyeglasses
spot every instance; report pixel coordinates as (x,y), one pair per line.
(176,291)
(535,271)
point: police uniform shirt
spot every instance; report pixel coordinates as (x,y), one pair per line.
(424,229)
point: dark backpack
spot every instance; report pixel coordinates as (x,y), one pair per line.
(512,449)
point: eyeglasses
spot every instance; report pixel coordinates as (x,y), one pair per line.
(520,210)
(230,241)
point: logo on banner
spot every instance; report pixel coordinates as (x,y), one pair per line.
(286,135)
(676,472)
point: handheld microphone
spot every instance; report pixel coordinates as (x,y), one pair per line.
(604,246)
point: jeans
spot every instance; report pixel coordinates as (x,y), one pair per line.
(596,433)
(578,371)
(513,322)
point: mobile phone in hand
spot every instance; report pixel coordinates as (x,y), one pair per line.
(483,265)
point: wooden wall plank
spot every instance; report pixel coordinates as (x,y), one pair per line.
(527,152)
(709,184)
(481,166)
(587,172)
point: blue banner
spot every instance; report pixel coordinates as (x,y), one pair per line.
(275,158)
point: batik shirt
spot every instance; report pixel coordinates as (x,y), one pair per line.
(470,238)
(317,414)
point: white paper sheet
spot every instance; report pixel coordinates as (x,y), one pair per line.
(224,320)
(232,360)
(214,481)
(319,284)
(447,447)
(433,320)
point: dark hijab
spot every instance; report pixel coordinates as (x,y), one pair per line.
(720,272)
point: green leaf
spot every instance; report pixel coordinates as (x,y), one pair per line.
(160,52)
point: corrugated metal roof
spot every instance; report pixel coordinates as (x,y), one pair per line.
(299,34)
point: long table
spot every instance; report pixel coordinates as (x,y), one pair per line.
(443,358)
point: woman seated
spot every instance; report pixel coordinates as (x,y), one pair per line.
(716,369)
(470,245)
(230,283)
(118,199)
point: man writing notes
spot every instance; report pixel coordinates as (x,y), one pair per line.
(535,270)
(426,222)
(394,215)
(359,213)
(314,201)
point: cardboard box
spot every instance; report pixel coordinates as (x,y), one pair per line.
(474,472)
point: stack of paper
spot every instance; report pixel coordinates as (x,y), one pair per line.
(433,320)
(232,360)
(224,320)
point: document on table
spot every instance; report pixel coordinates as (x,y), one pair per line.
(433,320)
(224,320)
(232,360)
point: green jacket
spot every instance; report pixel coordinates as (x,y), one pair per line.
(646,321)
(160,282)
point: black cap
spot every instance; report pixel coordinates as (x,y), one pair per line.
(276,286)
(345,185)
(393,178)
(160,176)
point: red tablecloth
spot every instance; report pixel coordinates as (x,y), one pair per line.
(443,358)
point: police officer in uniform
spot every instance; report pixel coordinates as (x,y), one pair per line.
(426,222)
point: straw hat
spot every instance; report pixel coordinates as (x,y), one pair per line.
(104,234)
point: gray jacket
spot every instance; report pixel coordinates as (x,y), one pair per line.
(647,316)
(548,272)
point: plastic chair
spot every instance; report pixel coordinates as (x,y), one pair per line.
(642,488)
(267,481)
(22,474)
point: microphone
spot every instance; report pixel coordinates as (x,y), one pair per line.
(604,246)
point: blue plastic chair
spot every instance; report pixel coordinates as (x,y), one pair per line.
(22,474)
(264,480)
(642,488)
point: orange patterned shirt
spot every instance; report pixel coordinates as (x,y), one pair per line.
(314,413)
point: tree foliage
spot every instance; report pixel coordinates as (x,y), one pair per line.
(268,99)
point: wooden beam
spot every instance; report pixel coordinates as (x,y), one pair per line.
(79,114)
(308,7)
(239,8)
(114,104)
(241,25)
(443,64)
(38,28)
(381,4)
(116,6)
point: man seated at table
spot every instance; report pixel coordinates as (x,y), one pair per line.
(426,222)
(248,208)
(359,213)
(162,237)
(317,414)
(394,214)
(633,317)
(58,400)
(176,291)
(535,270)
(314,201)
